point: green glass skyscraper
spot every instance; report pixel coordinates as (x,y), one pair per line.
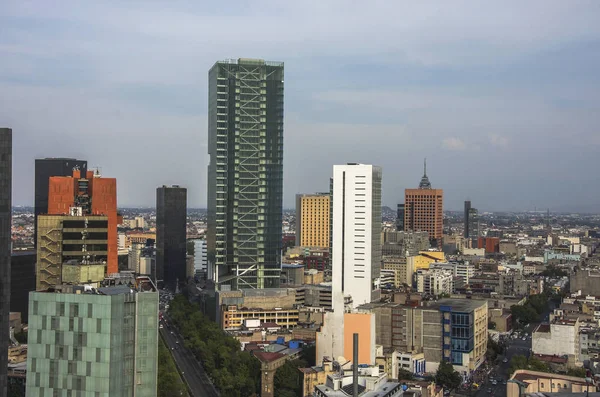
(245,173)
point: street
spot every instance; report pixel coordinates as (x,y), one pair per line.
(500,372)
(192,370)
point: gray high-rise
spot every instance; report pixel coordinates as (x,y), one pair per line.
(5,221)
(171,220)
(245,173)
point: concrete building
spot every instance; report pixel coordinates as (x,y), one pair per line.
(312,220)
(88,195)
(356,231)
(291,274)
(424,210)
(5,248)
(403,272)
(490,244)
(314,296)
(44,169)
(245,173)
(524,382)
(435,281)
(71,249)
(425,258)
(171,223)
(462,270)
(560,338)
(332,343)
(465,338)
(401,243)
(587,282)
(371,383)
(101,342)
(233,317)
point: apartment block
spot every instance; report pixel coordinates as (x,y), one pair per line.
(312,220)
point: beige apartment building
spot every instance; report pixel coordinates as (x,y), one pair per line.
(312,220)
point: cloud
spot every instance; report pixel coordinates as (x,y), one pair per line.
(454,144)
(498,140)
(124,84)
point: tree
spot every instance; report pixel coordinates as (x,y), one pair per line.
(518,361)
(405,375)
(287,381)
(235,373)
(577,372)
(169,381)
(447,377)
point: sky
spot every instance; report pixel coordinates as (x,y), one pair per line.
(502,98)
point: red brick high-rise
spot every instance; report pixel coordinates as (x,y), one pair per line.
(95,196)
(423,210)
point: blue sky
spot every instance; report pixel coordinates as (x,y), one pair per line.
(501,97)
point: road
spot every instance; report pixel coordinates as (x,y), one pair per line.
(501,371)
(192,370)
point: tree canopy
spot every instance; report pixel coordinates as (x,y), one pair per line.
(447,377)
(235,373)
(169,381)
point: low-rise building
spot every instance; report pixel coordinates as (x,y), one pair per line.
(560,338)
(434,282)
(524,382)
(233,317)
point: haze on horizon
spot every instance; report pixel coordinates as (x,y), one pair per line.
(503,98)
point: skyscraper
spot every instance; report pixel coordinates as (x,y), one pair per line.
(471,225)
(171,221)
(96,342)
(5,248)
(356,231)
(87,195)
(44,169)
(312,220)
(423,210)
(245,173)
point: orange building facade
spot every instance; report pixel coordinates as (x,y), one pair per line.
(95,196)
(491,244)
(423,212)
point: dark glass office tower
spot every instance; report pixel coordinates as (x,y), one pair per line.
(44,169)
(245,173)
(5,221)
(171,220)
(471,223)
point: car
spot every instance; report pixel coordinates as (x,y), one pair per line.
(524,338)
(160,326)
(494,382)
(172,333)
(504,381)
(489,390)
(177,342)
(172,348)
(505,360)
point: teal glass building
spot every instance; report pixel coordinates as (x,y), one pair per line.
(245,173)
(87,342)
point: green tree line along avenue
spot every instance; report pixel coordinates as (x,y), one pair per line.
(235,373)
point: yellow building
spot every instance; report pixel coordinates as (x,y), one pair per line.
(312,220)
(233,317)
(426,258)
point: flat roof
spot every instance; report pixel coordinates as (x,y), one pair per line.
(459,305)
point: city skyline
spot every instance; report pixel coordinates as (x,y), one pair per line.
(383,90)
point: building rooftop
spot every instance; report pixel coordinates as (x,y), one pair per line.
(458,305)
(267,357)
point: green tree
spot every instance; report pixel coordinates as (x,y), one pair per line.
(169,381)
(447,377)
(577,372)
(287,381)
(517,361)
(235,373)
(405,375)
